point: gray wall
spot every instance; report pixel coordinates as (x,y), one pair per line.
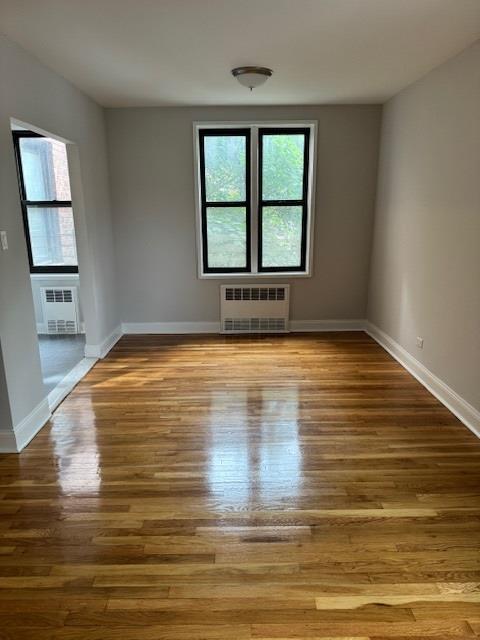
(35,95)
(151,170)
(425,273)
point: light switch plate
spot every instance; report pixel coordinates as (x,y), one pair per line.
(3,240)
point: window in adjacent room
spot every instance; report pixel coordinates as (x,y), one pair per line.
(46,203)
(255,196)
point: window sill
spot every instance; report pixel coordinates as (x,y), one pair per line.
(53,276)
(255,276)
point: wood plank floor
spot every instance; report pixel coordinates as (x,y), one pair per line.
(211,488)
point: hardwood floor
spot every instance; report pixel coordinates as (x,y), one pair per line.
(209,487)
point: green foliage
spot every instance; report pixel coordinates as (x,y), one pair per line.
(225,168)
(226,236)
(283,167)
(282,232)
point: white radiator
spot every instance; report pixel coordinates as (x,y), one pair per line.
(254,308)
(60,309)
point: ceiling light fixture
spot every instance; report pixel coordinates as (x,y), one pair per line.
(251,77)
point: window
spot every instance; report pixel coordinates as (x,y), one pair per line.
(225,189)
(46,203)
(254,198)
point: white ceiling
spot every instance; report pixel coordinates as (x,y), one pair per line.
(180,52)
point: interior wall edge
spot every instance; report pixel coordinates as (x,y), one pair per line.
(35,95)
(101,350)
(424,268)
(8,444)
(16,440)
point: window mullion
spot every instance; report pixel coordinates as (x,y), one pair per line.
(283,203)
(48,204)
(254,199)
(229,203)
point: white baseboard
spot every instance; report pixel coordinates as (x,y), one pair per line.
(447,396)
(31,424)
(73,377)
(326,325)
(14,441)
(101,350)
(214,327)
(170,327)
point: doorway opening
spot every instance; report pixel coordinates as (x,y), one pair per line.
(45,194)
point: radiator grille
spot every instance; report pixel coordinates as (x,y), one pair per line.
(255,293)
(58,295)
(254,325)
(251,308)
(59,307)
(62,326)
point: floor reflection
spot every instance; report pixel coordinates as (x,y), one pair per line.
(254,450)
(75,447)
(229,464)
(280,462)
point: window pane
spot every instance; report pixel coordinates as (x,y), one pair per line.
(225,167)
(281,236)
(282,167)
(45,169)
(227,237)
(52,236)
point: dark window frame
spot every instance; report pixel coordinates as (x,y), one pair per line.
(25,203)
(303,202)
(208,204)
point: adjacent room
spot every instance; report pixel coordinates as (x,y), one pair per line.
(45,194)
(239,319)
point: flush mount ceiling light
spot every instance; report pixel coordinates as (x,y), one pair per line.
(252,77)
